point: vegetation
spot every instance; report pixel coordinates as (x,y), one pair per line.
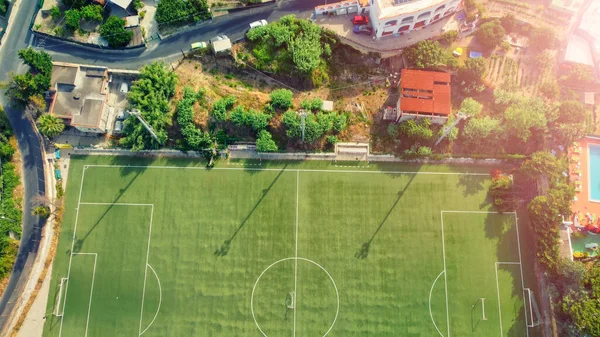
(3,7)
(92,13)
(570,122)
(427,54)
(490,34)
(257,120)
(470,107)
(33,83)
(221,107)
(195,138)
(582,301)
(265,142)
(282,98)
(549,89)
(113,30)
(473,71)
(543,38)
(55,12)
(73,4)
(171,12)
(292,46)
(500,191)
(11,209)
(315,125)
(72,19)
(50,126)
(482,133)
(42,211)
(150,94)
(449,37)
(417,130)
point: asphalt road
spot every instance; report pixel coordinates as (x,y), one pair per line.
(233,25)
(33,169)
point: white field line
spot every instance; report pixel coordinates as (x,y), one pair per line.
(296,259)
(445,273)
(87,321)
(159,299)
(113,204)
(146,270)
(499,305)
(62,319)
(291,170)
(430,293)
(521,263)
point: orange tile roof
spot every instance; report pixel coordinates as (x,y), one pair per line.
(424,80)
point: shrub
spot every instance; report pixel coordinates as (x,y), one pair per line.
(221,107)
(449,37)
(3,7)
(72,19)
(490,34)
(312,104)
(92,12)
(265,142)
(55,12)
(113,30)
(282,98)
(332,140)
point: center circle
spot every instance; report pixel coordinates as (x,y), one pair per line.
(281,291)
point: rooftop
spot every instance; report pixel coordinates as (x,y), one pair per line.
(394,8)
(590,24)
(63,75)
(82,99)
(425,91)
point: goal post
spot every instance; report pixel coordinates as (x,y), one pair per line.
(352,154)
(533,317)
(59,308)
(290,300)
(483,309)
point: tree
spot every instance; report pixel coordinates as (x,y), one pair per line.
(543,38)
(571,122)
(92,12)
(473,70)
(38,61)
(149,94)
(490,34)
(177,11)
(50,126)
(509,23)
(194,138)
(582,301)
(544,59)
(72,19)
(3,7)
(470,107)
(549,89)
(542,163)
(55,12)
(417,130)
(480,133)
(293,125)
(524,116)
(500,191)
(313,104)
(426,54)
(265,142)
(580,74)
(282,98)
(220,108)
(42,211)
(113,30)
(37,104)
(449,37)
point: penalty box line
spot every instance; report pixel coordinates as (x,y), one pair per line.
(79,203)
(520,263)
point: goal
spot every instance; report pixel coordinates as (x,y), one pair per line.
(352,154)
(533,317)
(59,309)
(290,300)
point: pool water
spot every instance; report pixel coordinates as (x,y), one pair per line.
(594,172)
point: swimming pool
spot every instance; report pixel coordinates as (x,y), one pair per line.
(594,173)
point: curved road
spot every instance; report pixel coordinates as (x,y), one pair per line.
(19,37)
(31,154)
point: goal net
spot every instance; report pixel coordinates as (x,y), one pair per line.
(59,308)
(352,154)
(532,312)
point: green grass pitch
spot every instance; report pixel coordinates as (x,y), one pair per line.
(168,248)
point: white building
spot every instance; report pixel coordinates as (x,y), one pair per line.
(393,17)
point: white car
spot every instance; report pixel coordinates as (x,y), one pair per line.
(258,23)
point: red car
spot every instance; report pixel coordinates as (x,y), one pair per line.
(360,20)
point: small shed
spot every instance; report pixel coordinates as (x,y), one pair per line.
(475,54)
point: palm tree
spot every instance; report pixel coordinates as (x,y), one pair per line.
(50,126)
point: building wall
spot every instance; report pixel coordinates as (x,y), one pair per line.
(405,23)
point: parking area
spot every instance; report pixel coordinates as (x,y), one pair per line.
(118,87)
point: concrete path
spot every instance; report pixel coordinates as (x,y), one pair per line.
(34,322)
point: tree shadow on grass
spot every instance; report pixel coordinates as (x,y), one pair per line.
(473,184)
(223,250)
(363,252)
(124,172)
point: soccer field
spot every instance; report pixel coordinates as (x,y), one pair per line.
(167,248)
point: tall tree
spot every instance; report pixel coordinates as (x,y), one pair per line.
(426,54)
(525,116)
(113,30)
(571,122)
(543,38)
(490,34)
(50,126)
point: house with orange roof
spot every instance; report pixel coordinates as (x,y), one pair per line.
(424,94)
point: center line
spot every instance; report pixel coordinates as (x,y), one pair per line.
(296,259)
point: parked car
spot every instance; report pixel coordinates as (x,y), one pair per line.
(258,23)
(363,29)
(199,45)
(360,20)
